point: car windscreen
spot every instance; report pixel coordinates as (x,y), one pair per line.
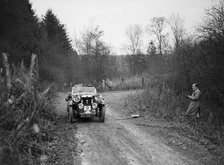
(83,90)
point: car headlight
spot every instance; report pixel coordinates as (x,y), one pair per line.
(98,97)
(102,101)
(76,98)
(80,105)
(94,105)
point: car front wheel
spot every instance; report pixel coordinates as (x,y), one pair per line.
(102,114)
(70,115)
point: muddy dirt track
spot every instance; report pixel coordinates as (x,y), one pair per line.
(119,140)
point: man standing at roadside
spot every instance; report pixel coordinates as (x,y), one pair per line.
(194,106)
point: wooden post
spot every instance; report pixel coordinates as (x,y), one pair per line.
(122,84)
(103,84)
(143,82)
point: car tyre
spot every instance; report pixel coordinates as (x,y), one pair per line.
(102,114)
(70,115)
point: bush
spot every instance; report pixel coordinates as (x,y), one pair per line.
(134,82)
(25,112)
(164,103)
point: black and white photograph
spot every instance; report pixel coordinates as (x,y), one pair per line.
(111,82)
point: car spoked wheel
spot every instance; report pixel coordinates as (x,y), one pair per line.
(70,115)
(102,114)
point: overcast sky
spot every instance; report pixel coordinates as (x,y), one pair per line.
(114,16)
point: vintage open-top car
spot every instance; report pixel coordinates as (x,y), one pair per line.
(85,102)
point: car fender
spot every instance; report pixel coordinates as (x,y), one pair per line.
(70,103)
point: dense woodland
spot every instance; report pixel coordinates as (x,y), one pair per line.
(192,58)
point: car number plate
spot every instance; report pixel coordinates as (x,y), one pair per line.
(87,108)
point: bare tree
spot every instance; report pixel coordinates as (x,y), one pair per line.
(91,42)
(213,27)
(94,50)
(157,27)
(177,26)
(83,43)
(134,34)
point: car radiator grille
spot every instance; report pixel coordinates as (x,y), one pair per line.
(87,101)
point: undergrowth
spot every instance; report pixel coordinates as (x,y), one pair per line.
(162,102)
(128,83)
(25,114)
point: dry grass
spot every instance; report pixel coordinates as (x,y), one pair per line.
(162,103)
(25,113)
(135,82)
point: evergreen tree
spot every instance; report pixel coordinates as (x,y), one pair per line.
(18,30)
(58,52)
(57,33)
